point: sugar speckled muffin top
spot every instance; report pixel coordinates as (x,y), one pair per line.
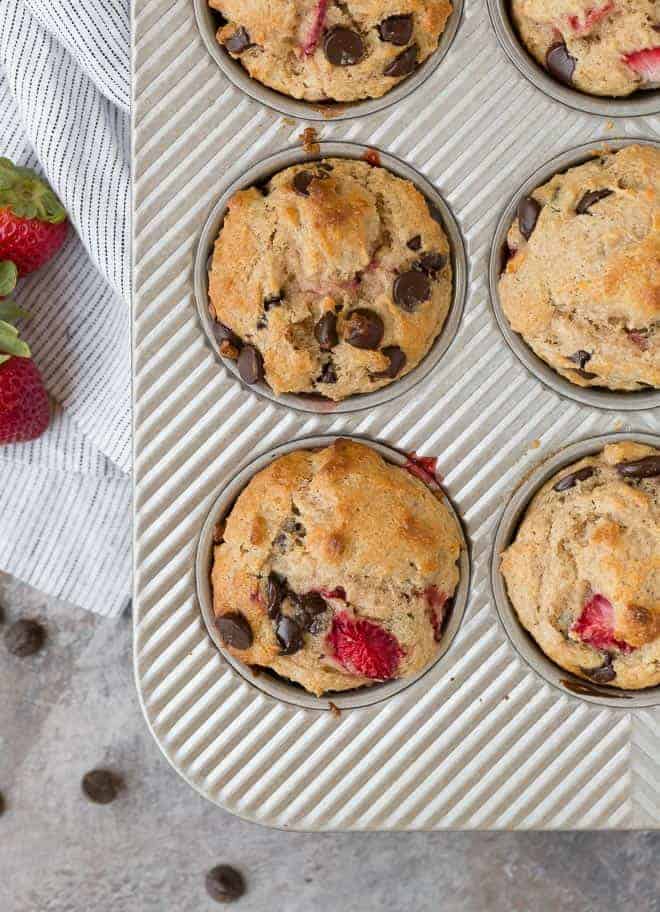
(602,47)
(582,281)
(321,50)
(583,573)
(335,569)
(334,279)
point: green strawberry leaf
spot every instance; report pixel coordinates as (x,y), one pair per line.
(8,277)
(9,312)
(4,358)
(22,191)
(10,344)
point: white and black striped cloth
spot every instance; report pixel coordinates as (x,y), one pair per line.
(64,110)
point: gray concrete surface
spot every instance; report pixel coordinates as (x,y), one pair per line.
(73,707)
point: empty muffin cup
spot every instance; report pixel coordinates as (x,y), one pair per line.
(506,532)
(602,398)
(208,22)
(270,683)
(260,174)
(642,103)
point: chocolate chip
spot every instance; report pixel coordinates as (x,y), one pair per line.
(301,182)
(224,884)
(560,63)
(396,30)
(580,357)
(313,603)
(363,328)
(325,166)
(24,638)
(226,333)
(397,359)
(403,64)
(431,263)
(505,255)
(569,481)
(239,41)
(101,786)
(411,289)
(589,199)
(528,213)
(328,374)
(415,242)
(602,674)
(275,592)
(343,47)
(289,635)
(234,630)
(648,467)
(272,301)
(250,365)
(325,331)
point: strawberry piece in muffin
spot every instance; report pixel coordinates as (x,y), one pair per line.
(363,647)
(595,626)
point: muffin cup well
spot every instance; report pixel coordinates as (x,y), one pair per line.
(599,398)
(641,103)
(523,641)
(207,24)
(268,682)
(262,172)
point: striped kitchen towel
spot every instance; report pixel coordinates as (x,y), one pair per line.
(64,110)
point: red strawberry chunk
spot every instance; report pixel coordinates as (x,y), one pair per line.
(646,63)
(595,626)
(436,600)
(424,468)
(591,17)
(337,593)
(363,647)
(640,340)
(312,39)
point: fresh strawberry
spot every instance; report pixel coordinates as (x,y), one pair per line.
(312,38)
(363,647)
(592,17)
(24,406)
(595,626)
(645,63)
(33,223)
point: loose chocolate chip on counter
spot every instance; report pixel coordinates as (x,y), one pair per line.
(224,884)
(528,213)
(301,182)
(397,359)
(431,263)
(363,328)
(101,786)
(415,242)
(396,30)
(580,357)
(404,64)
(250,365)
(648,467)
(328,374)
(289,635)
(411,289)
(239,41)
(275,592)
(560,63)
(24,638)
(602,674)
(343,47)
(325,331)
(569,481)
(589,199)
(234,630)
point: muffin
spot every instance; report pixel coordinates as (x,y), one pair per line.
(320,50)
(335,569)
(333,279)
(583,573)
(602,47)
(582,281)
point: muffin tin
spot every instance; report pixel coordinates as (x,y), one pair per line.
(482,740)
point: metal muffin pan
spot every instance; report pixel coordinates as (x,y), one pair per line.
(271,684)
(640,104)
(207,23)
(260,174)
(524,643)
(598,398)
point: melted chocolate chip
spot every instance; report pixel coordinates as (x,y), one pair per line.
(411,289)
(397,359)
(226,333)
(403,64)
(431,263)
(234,630)
(312,606)
(363,328)
(325,331)
(250,365)
(343,47)
(301,182)
(224,884)
(289,635)
(396,30)
(101,786)
(580,357)
(560,63)
(528,213)
(272,301)
(589,199)
(328,374)
(24,638)
(648,467)
(239,41)
(275,593)
(415,242)
(570,480)
(602,674)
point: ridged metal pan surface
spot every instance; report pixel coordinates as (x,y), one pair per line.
(482,740)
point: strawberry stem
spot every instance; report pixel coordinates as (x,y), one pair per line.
(27,196)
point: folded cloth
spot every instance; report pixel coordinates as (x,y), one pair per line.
(64,110)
